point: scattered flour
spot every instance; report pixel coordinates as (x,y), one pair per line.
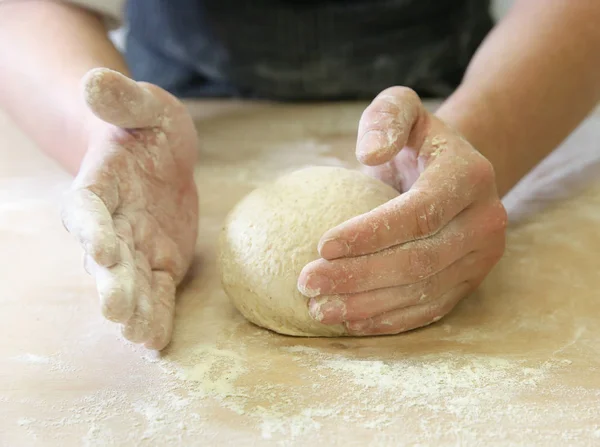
(294,395)
(31,358)
(226,386)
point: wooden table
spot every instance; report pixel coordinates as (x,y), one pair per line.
(515,364)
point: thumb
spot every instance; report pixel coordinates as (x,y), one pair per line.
(118,100)
(396,118)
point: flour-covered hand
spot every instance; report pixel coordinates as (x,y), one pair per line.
(133,206)
(408,262)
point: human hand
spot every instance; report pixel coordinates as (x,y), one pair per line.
(408,262)
(133,206)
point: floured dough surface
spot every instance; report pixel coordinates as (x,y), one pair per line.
(273,233)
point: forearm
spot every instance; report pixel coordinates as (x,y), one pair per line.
(45,49)
(533,80)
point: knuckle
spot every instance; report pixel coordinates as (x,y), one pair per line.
(378,234)
(98,250)
(431,315)
(429,288)
(501,216)
(482,172)
(497,219)
(143,266)
(361,314)
(439,309)
(122,226)
(171,262)
(143,232)
(421,263)
(387,325)
(428,218)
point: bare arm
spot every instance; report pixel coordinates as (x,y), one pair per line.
(533,80)
(45,49)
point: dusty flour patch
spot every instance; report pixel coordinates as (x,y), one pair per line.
(216,369)
(52,363)
(31,359)
(284,395)
(368,393)
(248,387)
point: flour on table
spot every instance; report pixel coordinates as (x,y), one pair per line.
(510,366)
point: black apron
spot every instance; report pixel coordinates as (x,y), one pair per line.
(303,50)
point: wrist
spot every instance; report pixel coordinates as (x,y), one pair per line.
(76,127)
(479,118)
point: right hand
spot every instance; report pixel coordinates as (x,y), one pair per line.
(133,206)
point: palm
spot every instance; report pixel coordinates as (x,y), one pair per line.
(407,165)
(136,195)
(156,191)
(401,172)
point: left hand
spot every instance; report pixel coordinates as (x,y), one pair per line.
(133,206)
(408,262)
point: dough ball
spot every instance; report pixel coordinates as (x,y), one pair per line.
(273,233)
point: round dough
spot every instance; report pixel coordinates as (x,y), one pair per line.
(273,233)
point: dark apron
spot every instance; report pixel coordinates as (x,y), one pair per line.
(303,50)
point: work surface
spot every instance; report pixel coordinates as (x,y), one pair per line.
(517,363)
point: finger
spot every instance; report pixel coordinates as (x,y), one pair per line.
(163,252)
(89,265)
(163,297)
(118,100)
(86,217)
(116,286)
(138,327)
(402,320)
(437,197)
(386,172)
(394,119)
(360,306)
(124,231)
(403,264)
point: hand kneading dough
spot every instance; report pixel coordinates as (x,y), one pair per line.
(273,233)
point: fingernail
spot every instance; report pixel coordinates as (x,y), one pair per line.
(373,147)
(328,311)
(334,248)
(359,327)
(159,340)
(315,285)
(136,331)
